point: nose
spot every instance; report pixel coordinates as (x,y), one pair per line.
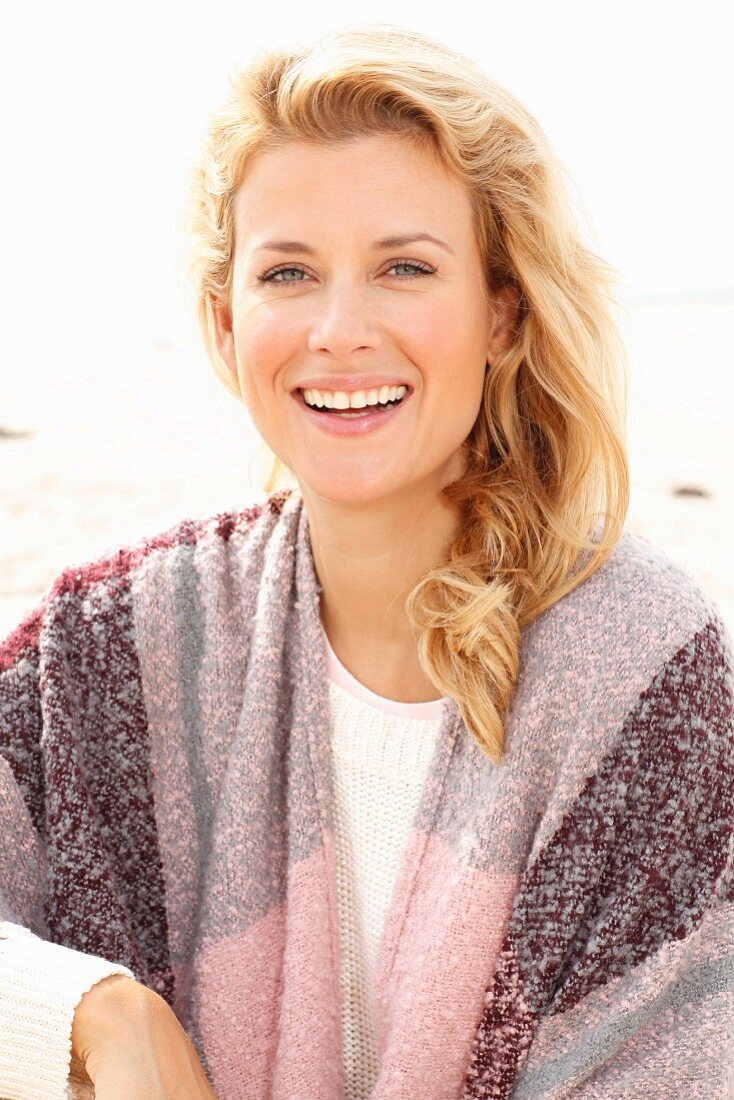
(344,321)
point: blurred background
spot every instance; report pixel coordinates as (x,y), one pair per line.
(113,425)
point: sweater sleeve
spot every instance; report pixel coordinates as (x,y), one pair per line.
(41,982)
(642,1001)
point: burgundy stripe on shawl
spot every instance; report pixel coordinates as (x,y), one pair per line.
(105,885)
(670,776)
(105,891)
(24,639)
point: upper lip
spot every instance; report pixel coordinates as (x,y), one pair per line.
(350,383)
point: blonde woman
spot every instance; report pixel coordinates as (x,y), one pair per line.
(414,778)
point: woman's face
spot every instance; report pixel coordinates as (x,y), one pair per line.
(340,303)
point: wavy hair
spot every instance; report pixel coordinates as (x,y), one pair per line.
(545,493)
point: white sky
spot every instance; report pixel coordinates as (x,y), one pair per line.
(102,105)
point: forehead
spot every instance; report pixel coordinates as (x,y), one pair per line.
(366,182)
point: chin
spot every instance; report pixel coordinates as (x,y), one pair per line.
(351,490)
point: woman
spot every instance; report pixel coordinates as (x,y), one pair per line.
(415,778)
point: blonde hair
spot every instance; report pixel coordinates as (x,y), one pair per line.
(545,494)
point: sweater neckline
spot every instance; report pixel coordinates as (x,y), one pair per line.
(343,678)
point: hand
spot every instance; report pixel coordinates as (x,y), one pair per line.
(133,1047)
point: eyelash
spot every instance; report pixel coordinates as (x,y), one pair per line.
(269,276)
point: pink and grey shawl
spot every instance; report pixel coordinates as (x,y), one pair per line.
(561,926)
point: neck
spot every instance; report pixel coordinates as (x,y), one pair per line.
(369,556)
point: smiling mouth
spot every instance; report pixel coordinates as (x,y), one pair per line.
(349,414)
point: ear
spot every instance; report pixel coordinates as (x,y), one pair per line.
(506,303)
(223,335)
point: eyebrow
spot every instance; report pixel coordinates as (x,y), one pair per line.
(386,242)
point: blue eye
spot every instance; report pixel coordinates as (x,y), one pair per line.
(269,277)
(421,269)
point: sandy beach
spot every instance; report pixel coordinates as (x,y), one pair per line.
(92,460)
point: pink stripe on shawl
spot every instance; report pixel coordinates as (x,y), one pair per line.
(430,1002)
(237,992)
(264,1008)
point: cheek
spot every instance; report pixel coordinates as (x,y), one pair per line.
(434,334)
(451,347)
(261,346)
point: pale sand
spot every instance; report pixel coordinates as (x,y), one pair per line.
(111,457)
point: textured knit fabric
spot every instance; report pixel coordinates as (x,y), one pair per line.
(41,984)
(381,751)
(562,926)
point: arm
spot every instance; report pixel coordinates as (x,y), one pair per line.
(41,982)
(41,985)
(57,882)
(663,1031)
(643,1002)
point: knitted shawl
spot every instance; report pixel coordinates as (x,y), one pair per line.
(561,925)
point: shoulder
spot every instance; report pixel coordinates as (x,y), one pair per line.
(642,574)
(637,632)
(204,532)
(84,590)
(657,599)
(626,682)
(641,603)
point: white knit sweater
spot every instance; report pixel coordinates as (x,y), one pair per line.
(381,751)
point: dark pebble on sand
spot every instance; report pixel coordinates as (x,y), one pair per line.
(689,491)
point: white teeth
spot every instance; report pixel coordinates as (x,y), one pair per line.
(357,400)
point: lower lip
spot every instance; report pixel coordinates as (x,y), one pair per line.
(357,425)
